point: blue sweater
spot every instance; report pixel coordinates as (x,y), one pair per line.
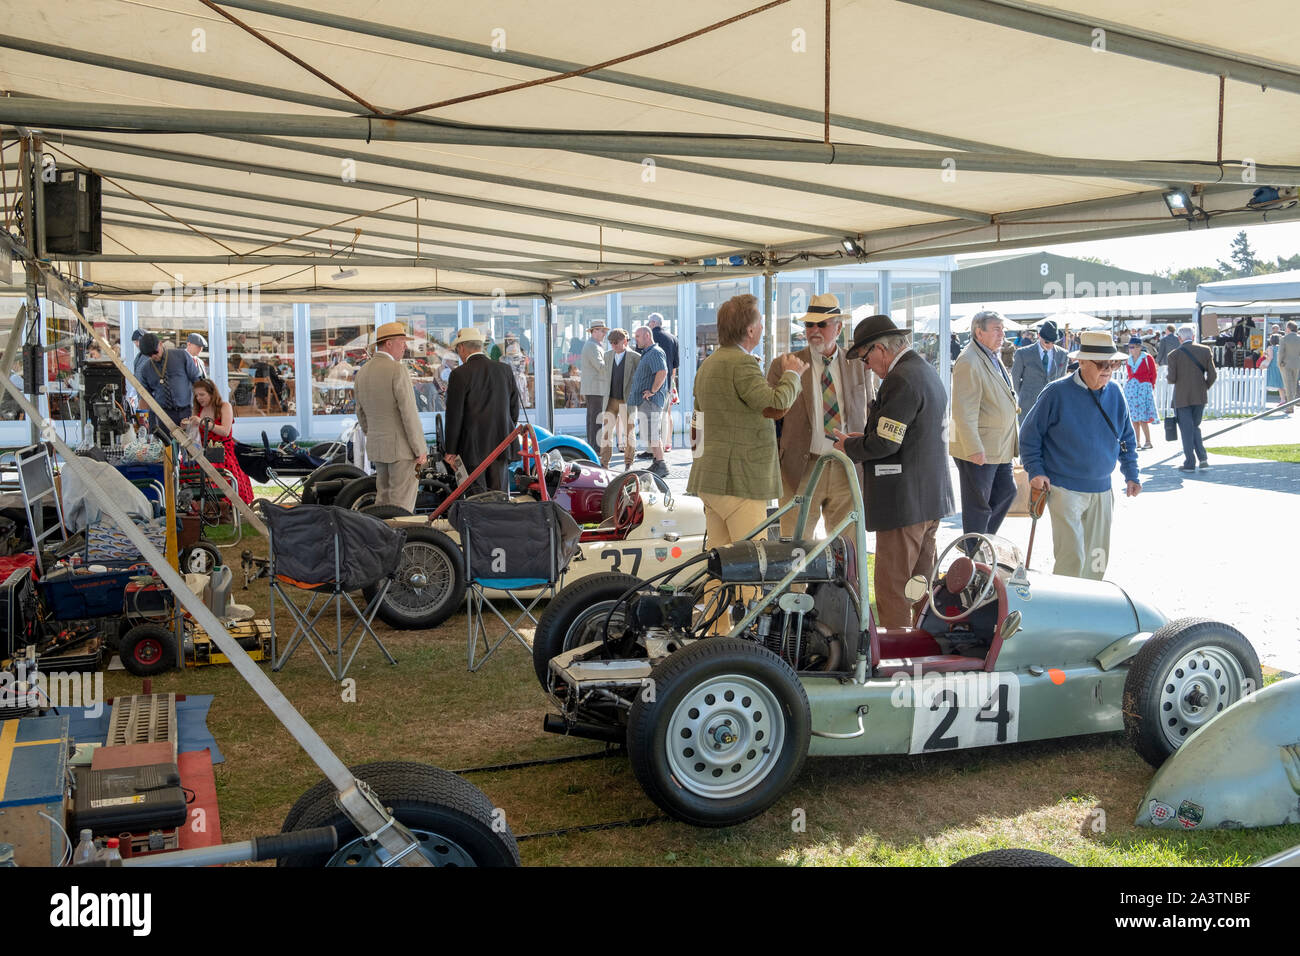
(1064,438)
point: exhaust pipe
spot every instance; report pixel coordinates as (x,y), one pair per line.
(555,724)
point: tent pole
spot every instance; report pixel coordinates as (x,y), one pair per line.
(769,311)
(52,114)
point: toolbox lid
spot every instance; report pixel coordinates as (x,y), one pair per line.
(33,759)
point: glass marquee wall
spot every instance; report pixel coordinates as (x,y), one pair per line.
(294,364)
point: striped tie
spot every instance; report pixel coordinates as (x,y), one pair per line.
(830,407)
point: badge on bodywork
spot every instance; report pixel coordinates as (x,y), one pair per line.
(1160,812)
(1190,814)
(891,430)
(661,554)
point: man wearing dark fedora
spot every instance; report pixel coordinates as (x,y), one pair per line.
(1070,441)
(904,458)
(1035,365)
(834,396)
(388,416)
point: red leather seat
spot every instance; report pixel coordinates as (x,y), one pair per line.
(903,642)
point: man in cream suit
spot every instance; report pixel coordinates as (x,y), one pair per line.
(834,394)
(595,379)
(387,414)
(984,435)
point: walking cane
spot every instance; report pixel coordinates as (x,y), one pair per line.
(1037,502)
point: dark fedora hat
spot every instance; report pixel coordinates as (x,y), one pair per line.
(870,329)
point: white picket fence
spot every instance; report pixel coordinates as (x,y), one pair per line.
(1236,391)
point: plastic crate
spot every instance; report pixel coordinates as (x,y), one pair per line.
(73,596)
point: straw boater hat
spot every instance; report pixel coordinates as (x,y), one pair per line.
(822,307)
(1098,347)
(391,330)
(470,334)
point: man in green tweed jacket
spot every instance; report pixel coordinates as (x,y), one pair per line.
(735,471)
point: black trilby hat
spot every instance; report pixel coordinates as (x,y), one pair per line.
(870,329)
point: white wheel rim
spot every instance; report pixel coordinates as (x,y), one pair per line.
(1199,684)
(725,736)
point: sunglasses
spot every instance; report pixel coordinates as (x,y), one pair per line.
(820,325)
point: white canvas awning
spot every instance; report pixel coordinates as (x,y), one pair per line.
(1278,287)
(954,126)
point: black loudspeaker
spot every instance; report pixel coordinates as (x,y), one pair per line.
(100,372)
(74,215)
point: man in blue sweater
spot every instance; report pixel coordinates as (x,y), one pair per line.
(1069,442)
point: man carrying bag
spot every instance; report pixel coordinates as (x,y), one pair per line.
(1191,372)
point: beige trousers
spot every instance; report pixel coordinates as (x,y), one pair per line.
(831,500)
(1081,531)
(616,423)
(728,519)
(395,483)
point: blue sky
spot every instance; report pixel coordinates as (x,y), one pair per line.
(1181,250)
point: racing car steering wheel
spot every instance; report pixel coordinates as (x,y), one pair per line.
(985,548)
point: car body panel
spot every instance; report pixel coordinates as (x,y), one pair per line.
(671,532)
(911,715)
(1066,621)
(1240,769)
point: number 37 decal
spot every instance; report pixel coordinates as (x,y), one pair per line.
(955,711)
(615,557)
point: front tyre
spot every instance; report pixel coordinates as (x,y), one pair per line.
(358,495)
(721,733)
(577,616)
(1186,673)
(453,820)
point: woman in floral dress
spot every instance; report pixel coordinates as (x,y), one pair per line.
(1139,390)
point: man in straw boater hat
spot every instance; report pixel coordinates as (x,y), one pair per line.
(904,458)
(482,408)
(595,379)
(388,416)
(834,396)
(1069,443)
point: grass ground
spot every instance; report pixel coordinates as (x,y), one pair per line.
(1265,452)
(898,811)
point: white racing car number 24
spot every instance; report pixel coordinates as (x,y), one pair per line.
(956,711)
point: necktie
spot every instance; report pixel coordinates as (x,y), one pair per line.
(830,407)
(1047,363)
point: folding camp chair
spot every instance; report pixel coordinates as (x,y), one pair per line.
(510,546)
(329,552)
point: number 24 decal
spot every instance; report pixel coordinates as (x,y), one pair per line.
(616,558)
(966,710)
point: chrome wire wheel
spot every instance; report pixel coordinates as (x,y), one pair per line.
(725,736)
(423,578)
(1200,683)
